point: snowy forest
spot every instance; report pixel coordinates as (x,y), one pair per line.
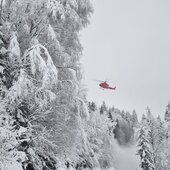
(46,121)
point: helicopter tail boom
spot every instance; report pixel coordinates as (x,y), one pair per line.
(112,88)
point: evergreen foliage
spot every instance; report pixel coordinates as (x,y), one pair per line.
(144,151)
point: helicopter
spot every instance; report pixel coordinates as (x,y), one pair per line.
(105,85)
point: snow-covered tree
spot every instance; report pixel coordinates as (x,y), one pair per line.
(156,135)
(103,108)
(134,119)
(167,112)
(100,145)
(145,151)
(92,106)
(41,76)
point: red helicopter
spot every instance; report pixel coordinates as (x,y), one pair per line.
(105,85)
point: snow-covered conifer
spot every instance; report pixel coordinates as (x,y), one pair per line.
(144,151)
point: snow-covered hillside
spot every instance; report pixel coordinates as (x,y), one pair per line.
(46,122)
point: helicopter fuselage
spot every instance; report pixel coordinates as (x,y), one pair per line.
(104,85)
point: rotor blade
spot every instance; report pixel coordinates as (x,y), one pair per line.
(98,80)
(108,80)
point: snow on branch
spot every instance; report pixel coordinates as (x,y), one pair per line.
(41,62)
(43,96)
(21,87)
(1,69)
(9,156)
(55,8)
(83,107)
(51,33)
(14,48)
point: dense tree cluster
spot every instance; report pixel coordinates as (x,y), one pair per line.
(126,123)
(154,133)
(41,97)
(45,121)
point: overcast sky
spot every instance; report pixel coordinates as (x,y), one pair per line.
(128,41)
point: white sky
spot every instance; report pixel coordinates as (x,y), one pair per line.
(128,41)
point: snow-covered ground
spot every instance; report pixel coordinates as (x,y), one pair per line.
(126,158)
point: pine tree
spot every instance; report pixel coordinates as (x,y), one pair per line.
(159,142)
(167,112)
(143,120)
(134,119)
(110,114)
(160,131)
(163,148)
(92,106)
(153,135)
(144,151)
(103,108)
